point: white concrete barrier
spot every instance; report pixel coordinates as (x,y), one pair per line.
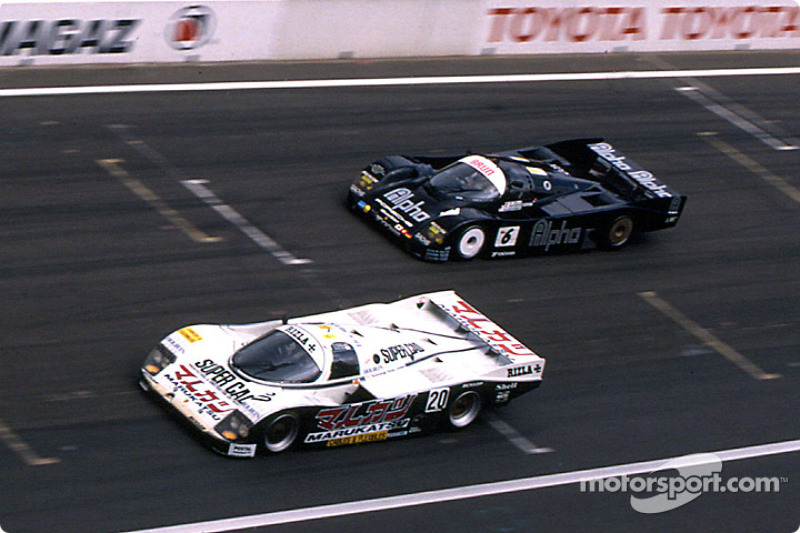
(60,32)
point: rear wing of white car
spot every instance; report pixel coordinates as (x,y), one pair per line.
(470,319)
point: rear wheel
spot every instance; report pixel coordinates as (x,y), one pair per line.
(470,242)
(617,233)
(281,432)
(464,409)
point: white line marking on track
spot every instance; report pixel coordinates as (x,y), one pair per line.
(198,188)
(728,109)
(708,338)
(389,82)
(114,168)
(753,166)
(514,436)
(458,493)
(737,119)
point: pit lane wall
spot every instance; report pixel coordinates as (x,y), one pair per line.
(61,32)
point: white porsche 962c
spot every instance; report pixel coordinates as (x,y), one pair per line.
(365,374)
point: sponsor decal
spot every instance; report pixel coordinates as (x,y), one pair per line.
(226,381)
(514,205)
(242,450)
(386,428)
(402,200)
(362,422)
(647,180)
(67,36)
(609,153)
(503,391)
(190,335)
(482,165)
(737,22)
(487,330)
(642,177)
(190,28)
(504,254)
(543,235)
(400,351)
(303,339)
(572,24)
(358,439)
(174,346)
(507,237)
(206,399)
(588,23)
(526,370)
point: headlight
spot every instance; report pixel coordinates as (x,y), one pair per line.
(435,233)
(158,359)
(367,181)
(235,426)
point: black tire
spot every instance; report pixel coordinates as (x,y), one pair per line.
(464,409)
(470,243)
(280,433)
(617,234)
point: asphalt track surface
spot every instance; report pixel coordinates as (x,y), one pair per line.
(686,341)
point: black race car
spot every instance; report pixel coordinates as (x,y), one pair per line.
(570,195)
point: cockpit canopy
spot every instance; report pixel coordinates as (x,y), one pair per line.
(473,178)
(290,354)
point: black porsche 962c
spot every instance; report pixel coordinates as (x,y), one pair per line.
(571,195)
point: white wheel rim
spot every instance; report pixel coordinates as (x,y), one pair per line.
(465,409)
(471,243)
(621,231)
(285,435)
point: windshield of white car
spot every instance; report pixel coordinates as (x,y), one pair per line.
(463,182)
(276,357)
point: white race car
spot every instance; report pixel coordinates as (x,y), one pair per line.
(365,374)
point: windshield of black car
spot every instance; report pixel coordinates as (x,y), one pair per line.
(464,182)
(277,357)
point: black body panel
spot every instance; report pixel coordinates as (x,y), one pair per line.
(571,195)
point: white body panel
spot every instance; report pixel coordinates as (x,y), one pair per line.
(404,349)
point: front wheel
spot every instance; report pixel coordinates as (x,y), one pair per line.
(616,234)
(470,242)
(464,409)
(281,432)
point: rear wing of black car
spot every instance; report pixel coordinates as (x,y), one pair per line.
(598,160)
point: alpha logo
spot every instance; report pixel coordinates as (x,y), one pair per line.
(190,28)
(402,200)
(545,236)
(607,152)
(647,180)
(643,177)
(67,36)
